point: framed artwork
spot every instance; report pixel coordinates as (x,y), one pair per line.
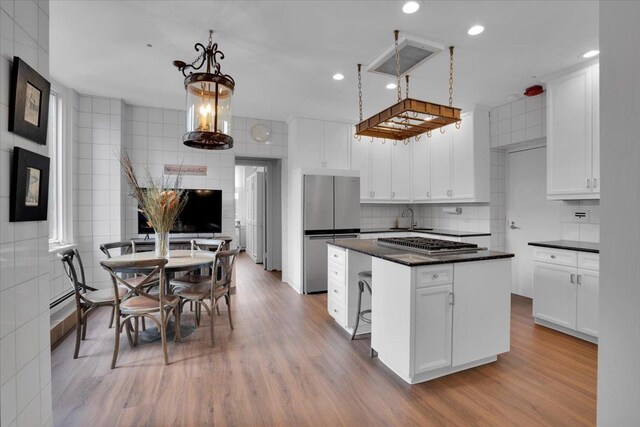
(29,186)
(28,102)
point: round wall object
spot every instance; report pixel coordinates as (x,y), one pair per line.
(260,133)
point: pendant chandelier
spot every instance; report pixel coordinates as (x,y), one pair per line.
(408,118)
(209,95)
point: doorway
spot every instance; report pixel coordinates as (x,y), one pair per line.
(530,216)
(258,212)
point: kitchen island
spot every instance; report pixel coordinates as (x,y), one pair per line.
(432,315)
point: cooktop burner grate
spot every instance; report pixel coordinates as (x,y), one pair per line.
(428,245)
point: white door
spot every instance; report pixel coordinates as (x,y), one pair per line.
(309,143)
(570,133)
(421,160)
(381,170)
(462,169)
(361,161)
(433,317)
(336,145)
(554,295)
(440,164)
(588,297)
(534,217)
(401,172)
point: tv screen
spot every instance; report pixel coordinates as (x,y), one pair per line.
(202,214)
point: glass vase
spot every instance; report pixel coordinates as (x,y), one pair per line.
(162,245)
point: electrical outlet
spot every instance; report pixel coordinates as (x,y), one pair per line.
(582,216)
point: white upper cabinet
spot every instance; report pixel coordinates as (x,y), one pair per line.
(441,164)
(573,135)
(319,144)
(421,160)
(381,170)
(401,172)
(361,162)
(462,173)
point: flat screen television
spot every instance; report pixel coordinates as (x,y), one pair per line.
(202,214)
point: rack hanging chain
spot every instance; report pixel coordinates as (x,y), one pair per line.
(360,90)
(407,87)
(450,76)
(395,34)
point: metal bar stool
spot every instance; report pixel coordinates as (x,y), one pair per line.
(364,281)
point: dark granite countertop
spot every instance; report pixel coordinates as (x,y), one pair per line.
(425,230)
(570,245)
(413,259)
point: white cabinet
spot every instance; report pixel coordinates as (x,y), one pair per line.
(319,144)
(401,172)
(421,165)
(566,291)
(433,325)
(460,160)
(381,171)
(361,162)
(573,140)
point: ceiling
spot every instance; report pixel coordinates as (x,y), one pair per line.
(282,54)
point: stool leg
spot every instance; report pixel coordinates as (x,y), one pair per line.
(355,329)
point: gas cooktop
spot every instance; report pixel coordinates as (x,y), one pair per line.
(427,245)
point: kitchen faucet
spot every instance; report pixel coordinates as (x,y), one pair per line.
(411,212)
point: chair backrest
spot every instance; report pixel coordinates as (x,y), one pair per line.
(125,247)
(73,267)
(206,244)
(225,261)
(150,269)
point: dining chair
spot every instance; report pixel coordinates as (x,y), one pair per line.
(87,298)
(125,247)
(139,303)
(212,287)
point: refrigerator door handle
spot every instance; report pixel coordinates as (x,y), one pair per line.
(346,236)
(320,237)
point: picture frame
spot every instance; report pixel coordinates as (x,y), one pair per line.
(29,197)
(28,102)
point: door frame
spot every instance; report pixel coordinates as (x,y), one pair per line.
(272,231)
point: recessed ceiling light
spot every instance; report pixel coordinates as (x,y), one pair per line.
(391,86)
(475,30)
(591,54)
(338,76)
(411,7)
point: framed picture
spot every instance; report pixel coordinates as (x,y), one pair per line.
(29,186)
(28,102)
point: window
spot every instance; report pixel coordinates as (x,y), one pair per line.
(59,183)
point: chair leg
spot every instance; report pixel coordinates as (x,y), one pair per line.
(127,327)
(144,325)
(198,309)
(135,332)
(84,326)
(78,333)
(355,328)
(227,298)
(211,322)
(178,316)
(113,313)
(116,346)
(163,336)
(218,309)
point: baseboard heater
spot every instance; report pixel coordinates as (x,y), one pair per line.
(61,299)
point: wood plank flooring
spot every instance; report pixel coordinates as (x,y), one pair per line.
(287,363)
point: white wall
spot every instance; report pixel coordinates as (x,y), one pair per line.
(619,340)
(25,362)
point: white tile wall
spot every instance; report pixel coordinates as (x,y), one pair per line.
(25,383)
(575,229)
(518,121)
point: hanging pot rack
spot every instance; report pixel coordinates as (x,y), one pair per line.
(408,118)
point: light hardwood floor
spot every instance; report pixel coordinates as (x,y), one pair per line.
(287,363)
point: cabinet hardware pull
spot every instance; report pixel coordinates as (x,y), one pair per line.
(428,195)
(335,255)
(573,278)
(393,194)
(553,257)
(452,299)
(588,183)
(595,182)
(435,276)
(579,281)
(335,291)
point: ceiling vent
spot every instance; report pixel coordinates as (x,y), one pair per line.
(413,52)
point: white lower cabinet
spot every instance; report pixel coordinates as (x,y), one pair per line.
(565,295)
(433,326)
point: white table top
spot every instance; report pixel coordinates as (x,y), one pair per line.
(178,259)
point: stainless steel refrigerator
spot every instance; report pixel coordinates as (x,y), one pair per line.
(331,212)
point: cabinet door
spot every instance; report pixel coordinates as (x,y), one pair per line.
(462,163)
(401,172)
(309,143)
(441,164)
(336,145)
(381,170)
(421,158)
(569,134)
(361,162)
(432,328)
(595,94)
(588,297)
(554,296)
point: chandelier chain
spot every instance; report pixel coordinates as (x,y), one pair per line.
(450,76)
(396,32)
